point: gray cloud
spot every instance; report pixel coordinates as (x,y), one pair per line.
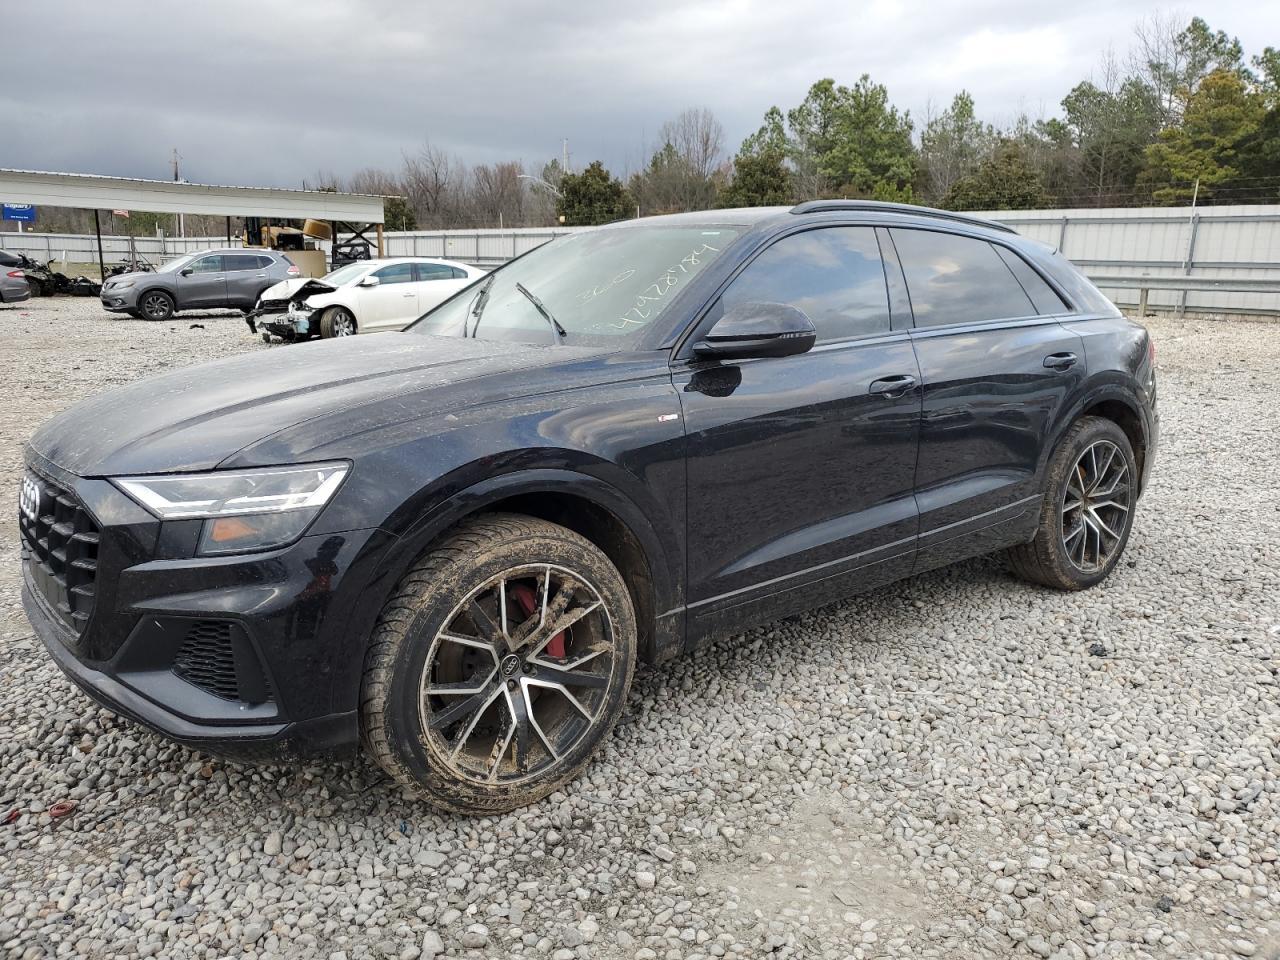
(266,93)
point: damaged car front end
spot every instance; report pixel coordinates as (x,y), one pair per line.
(283,310)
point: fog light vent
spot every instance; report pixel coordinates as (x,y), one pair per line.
(216,656)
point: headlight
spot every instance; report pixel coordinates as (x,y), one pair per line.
(243,509)
(122,284)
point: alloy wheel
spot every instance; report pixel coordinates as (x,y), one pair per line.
(518,674)
(344,325)
(155,306)
(1095,506)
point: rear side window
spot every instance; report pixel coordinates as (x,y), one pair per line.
(241,261)
(396,273)
(955,279)
(460,274)
(434,271)
(1043,296)
(834,274)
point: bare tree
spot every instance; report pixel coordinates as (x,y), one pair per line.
(430,183)
(689,150)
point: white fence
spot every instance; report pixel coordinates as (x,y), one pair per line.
(1220,243)
(1228,242)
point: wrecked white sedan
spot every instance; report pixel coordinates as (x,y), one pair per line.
(370,296)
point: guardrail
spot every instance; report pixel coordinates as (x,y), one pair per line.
(1144,285)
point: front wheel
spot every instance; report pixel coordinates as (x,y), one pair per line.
(499,665)
(1087,511)
(337,322)
(156,305)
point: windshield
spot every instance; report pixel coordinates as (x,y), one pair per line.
(600,286)
(345,274)
(173,265)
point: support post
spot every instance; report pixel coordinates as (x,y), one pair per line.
(1142,303)
(97,232)
(380,241)
(228,231)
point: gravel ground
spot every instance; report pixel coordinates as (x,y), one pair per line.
(956,766)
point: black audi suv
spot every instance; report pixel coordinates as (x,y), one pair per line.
(453,544)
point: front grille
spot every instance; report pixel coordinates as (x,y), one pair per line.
(217,657)
(60,549)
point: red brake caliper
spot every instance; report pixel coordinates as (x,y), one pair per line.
(524,596)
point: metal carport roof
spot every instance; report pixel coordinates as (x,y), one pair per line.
(92,192)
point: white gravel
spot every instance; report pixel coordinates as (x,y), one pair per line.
(956,766)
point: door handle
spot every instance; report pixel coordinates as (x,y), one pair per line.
(1060,361)
(892,387)
(259,276)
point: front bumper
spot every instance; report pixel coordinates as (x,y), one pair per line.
(285,324)
(119,301)
(281,740)
(292,625)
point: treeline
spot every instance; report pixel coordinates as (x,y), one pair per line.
(1184,114)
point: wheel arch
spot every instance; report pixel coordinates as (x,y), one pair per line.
(1111,402)
(591,507)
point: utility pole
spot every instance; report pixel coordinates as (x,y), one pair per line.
(565,164)
(182,220)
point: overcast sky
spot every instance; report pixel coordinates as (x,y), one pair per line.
(259,93)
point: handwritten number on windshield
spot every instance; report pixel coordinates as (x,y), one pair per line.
(641,312)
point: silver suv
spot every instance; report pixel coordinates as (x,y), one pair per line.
(234,277)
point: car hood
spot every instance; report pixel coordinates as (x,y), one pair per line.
(296,289)
(198,417)
(135,276)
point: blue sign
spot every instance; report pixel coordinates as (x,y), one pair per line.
(24,212)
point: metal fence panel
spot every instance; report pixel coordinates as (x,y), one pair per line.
(1208,242)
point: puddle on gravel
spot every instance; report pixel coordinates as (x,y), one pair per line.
(824,871)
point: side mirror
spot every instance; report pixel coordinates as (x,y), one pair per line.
(185,272)
(369,282)
(758,330)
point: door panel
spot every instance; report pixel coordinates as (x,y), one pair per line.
(246,276)
(996,378)
(800,479)
(391,304)
(205,286)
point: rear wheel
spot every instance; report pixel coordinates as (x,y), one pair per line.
(499,665)
(1087,511)
(36,287)
(156,305)
(337,322)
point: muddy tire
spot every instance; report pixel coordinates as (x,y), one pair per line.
(155,305)
(498,665)
(337,322)
(1087,511)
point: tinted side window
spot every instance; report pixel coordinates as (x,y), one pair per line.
(264,262)
(208,264)
(396,273)
(434,271)
(833,274)
(954,279)
(460,274)
(241,261)
(1044,297)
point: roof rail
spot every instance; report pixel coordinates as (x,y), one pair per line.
(879,206)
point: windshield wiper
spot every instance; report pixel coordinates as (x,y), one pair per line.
(538,305)
(481,299)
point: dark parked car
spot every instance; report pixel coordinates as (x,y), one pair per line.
(455,542)
(232,278)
